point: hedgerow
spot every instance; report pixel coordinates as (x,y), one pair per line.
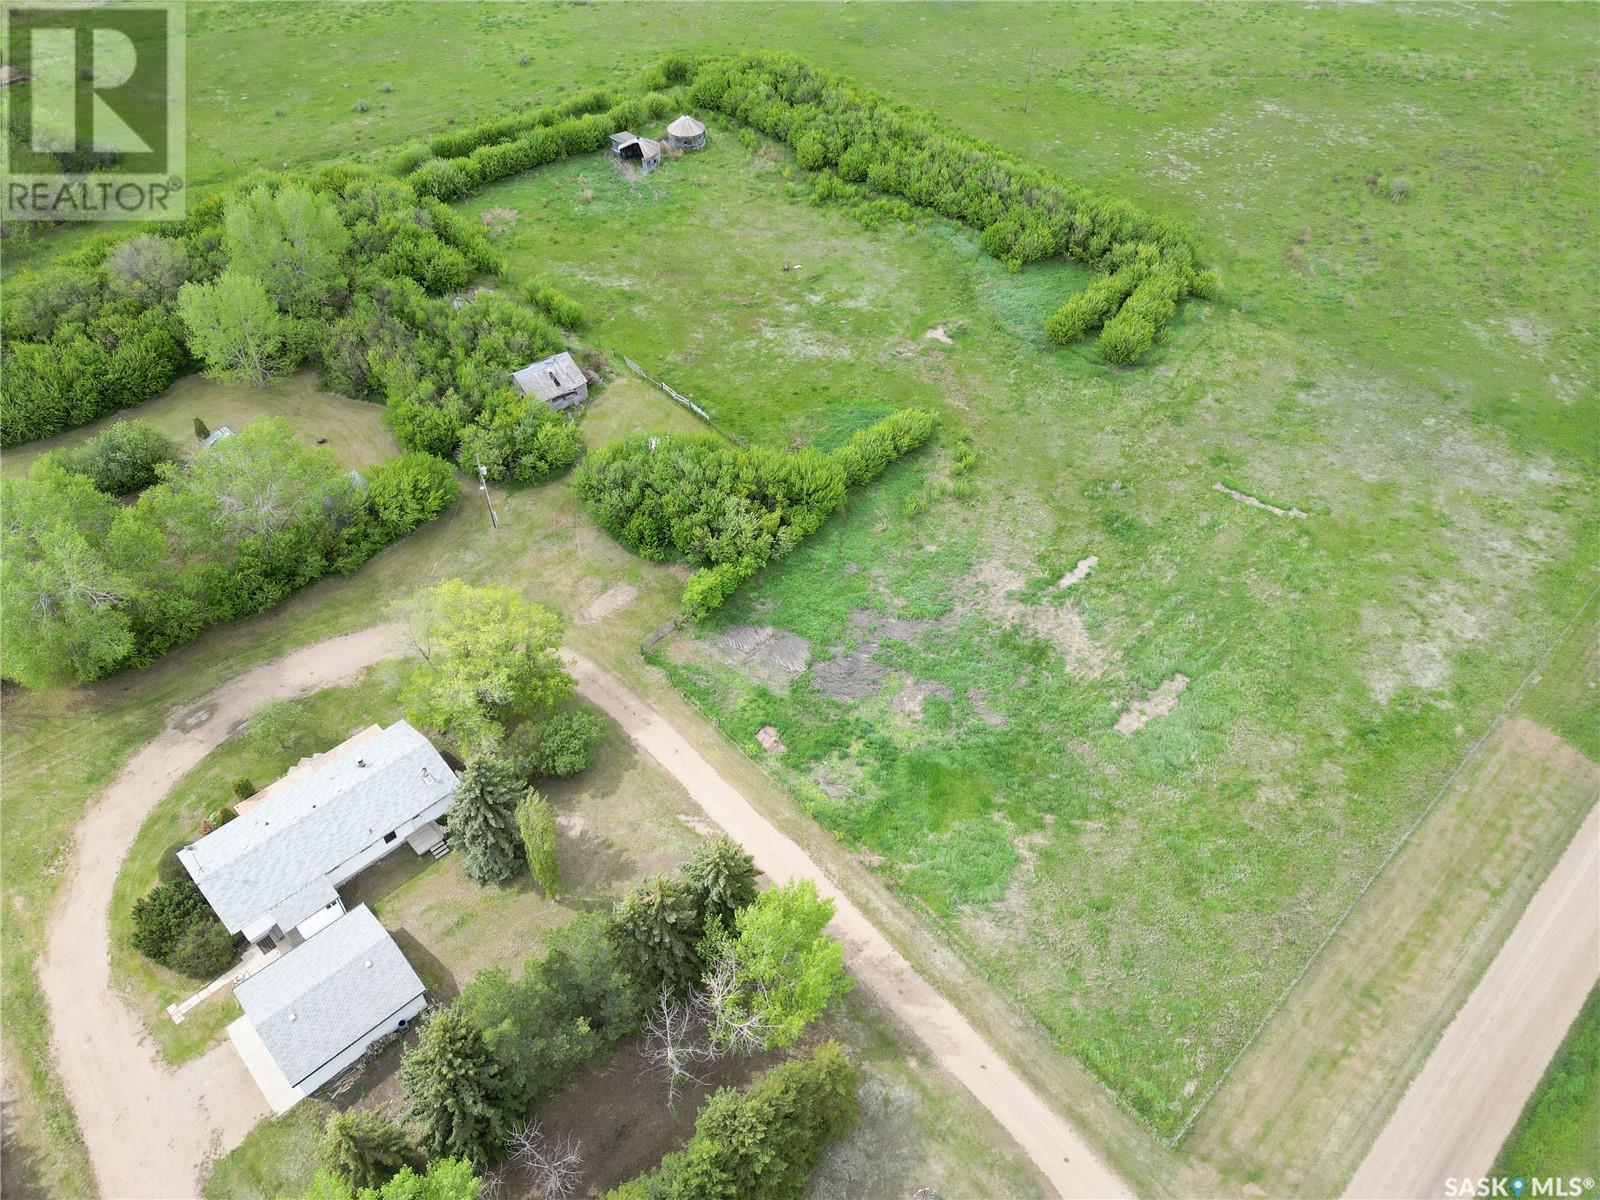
(731,510)
(449,177)
(1023,214)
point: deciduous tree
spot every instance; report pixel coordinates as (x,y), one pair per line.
(488,655)
(234,328)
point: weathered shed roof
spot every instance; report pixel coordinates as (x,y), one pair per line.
(316,1001)
(550,378)
(651,147)
(274,858)
(215,436)
(686,127)
(10,74)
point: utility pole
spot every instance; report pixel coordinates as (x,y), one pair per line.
(483,486)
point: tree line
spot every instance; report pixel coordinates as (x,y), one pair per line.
(1023,214)
(91,585)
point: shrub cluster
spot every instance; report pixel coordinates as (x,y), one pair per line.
(91,586)
(175,926)
(761,1143)
(730,510)
(521,148)
(123,458)
(1023,214)
(445,374)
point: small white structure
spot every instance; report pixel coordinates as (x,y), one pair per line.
(630,147)
(686,134)
(271,874)
(556,380)
(313,1012)
(215,436)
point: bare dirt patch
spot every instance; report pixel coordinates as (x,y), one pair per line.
(768,655)
(1246,498)
(1080,572)
(997,588)
(608,604)
(908,700)
(938,334)
(498,220)
(1157,704)
(767,735)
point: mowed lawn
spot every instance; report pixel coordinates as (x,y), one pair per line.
(1399,205)
(1147,893)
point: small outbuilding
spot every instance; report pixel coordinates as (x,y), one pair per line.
(10,74)
(314,1011)
(630,147)
(686,134)
(556,380)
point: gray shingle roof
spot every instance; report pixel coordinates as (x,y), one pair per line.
(550,377)
(314,1002)
(274,858)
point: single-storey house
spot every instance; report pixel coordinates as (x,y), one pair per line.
(557,380)
(311,1013)
(271,874)
(686,134)
(630,147)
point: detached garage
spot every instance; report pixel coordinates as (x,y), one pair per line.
(314,1011)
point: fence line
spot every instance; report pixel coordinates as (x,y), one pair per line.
(679,397)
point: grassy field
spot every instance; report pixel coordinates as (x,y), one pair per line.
(1559,1132)
(1398,203)
(355,431)
(958,719)
(620,821)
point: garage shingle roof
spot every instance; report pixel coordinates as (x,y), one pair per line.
(319,999)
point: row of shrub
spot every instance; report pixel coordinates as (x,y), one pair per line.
(91,585)
(731,510)
(1023,214)
(449,177)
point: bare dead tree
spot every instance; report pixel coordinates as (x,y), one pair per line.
(675,1042)
(554,1166)
(732,1022)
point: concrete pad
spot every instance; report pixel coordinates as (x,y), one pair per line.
(280,1094)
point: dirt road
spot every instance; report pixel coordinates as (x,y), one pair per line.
(1462,1105)
(1057,1150)
(149,1129)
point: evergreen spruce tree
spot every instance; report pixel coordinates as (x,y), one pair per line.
(483,820)
(657,929)
(459,1094)
(723,877)
(366,1149)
